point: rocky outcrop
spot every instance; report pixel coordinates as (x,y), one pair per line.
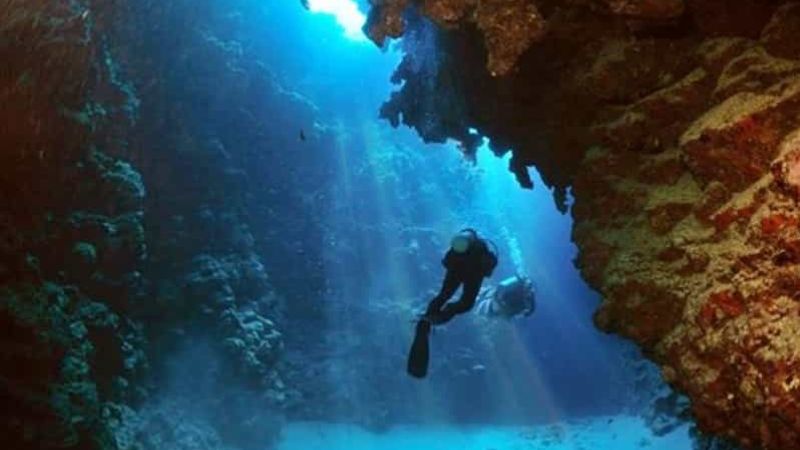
(65,358)
(684,175)
(205,271)
(130,190)
(72,236)
(229,207)
(696,264)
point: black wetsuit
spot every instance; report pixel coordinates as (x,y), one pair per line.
(468,268)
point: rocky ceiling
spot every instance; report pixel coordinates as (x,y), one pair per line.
(676,124)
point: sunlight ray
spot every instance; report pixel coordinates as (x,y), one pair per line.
(347,14)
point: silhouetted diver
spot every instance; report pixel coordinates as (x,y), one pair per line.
(468,262)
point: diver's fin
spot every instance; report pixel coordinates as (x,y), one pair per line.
(418,356)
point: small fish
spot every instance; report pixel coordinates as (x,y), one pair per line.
(305,4)
(302,135)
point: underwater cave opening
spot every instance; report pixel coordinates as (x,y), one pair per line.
(347,15)
(224,218)
(255,242)
(392,205)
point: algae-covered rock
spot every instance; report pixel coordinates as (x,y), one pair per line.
(161,426)
(215,284)
(508,27)
(253,346)
(710,242)
(82,242)
(780,34)
(85,253)
(50,358)
(112,184)
(684,172)
(61,347)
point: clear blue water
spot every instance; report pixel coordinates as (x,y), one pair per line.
(548,381)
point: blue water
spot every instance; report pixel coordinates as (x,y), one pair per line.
(548,381)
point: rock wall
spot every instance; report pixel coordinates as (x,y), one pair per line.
(72,234)
(229,209)
(675,125)
(138,152)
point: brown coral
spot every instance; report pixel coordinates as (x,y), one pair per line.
(686,176)
(509,27)
(648,9)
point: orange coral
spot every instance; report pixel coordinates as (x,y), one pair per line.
(725,218)
(721,305)
(775,223)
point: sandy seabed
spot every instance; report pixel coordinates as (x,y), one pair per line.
(599,433)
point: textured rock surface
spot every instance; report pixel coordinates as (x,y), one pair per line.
(684,172)
(125,225)
(203,143)
(72,239)
(508,27)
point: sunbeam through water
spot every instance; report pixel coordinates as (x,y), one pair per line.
(347,15)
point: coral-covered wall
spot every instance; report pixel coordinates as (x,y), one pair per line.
(148,201)
(675,124)
(228,209)
(71,236)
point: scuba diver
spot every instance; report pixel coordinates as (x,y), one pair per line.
(513,297)
(468,261)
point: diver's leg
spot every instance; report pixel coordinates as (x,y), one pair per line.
(419,354)
(449,287)
(472,286)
